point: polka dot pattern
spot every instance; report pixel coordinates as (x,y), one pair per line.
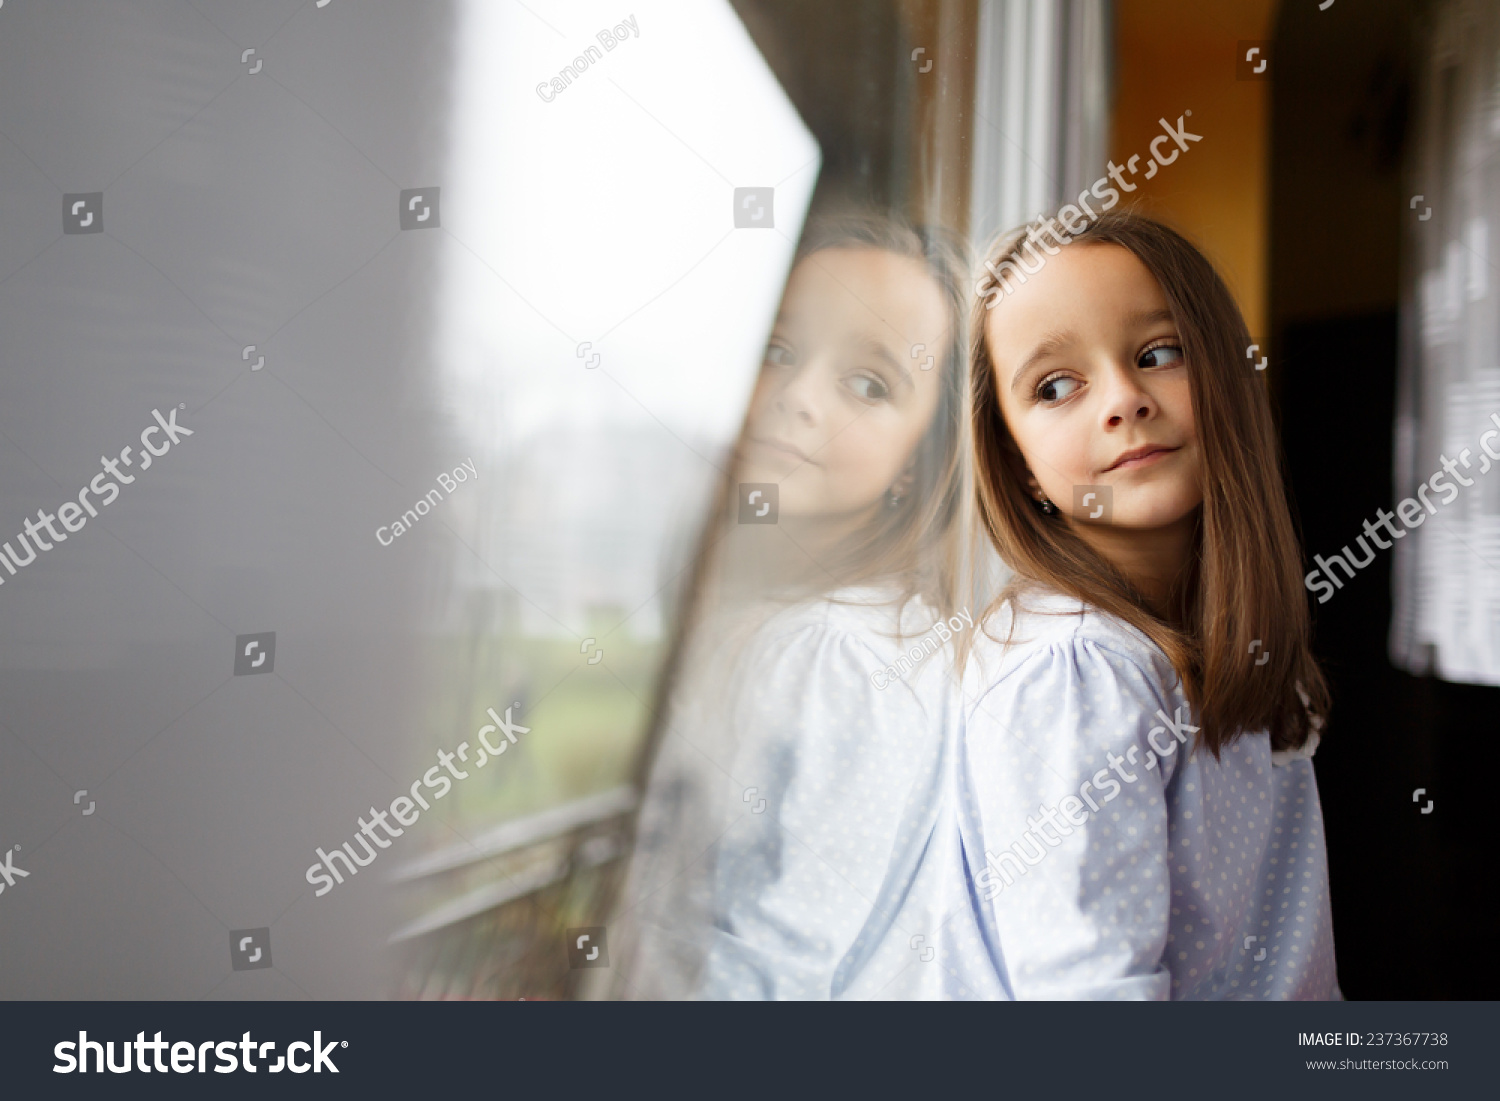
(809,890)
(1035,831)
(1193,879)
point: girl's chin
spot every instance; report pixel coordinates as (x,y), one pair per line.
(785,477)
(821,515)
(1154,519)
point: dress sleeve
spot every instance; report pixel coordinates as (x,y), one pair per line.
(1063,774)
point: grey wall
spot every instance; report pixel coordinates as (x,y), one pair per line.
(255,200)
(238,209)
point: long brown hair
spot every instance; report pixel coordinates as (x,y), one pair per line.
(1244,584)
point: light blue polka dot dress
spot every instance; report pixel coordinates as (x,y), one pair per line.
(796,788)
(844,723)
(1042,828)
(1105,856)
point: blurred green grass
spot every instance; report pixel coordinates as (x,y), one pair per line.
(586,721)
(587,724)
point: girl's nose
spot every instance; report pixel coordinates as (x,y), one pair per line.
(1126,400)
(797,397)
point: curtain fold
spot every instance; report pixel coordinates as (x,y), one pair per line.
(1446,618)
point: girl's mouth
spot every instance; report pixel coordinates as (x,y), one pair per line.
(1141,456)
(784,449)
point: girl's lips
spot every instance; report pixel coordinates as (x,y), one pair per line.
(779,448)
(1142,457)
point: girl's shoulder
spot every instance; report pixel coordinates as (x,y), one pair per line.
(1041,631)
(871,620)
(824,673)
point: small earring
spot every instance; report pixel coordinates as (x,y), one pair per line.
(892,498)
(1047,507)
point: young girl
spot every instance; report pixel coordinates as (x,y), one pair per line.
(797,772)
(1137,809)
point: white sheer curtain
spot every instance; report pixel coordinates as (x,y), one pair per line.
(1447,571)
(1041,108)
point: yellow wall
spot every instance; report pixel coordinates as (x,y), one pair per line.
(1172,56)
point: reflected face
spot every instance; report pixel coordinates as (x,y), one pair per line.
(841,403)
(1094,388)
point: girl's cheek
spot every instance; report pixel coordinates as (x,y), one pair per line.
(1066,451)
(761,398)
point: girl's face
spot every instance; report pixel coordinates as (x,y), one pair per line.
(841,402)
(1094,388)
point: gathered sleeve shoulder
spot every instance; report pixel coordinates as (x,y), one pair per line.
(1067,753)
(819,699)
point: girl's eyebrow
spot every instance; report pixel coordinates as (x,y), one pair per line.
(880,351)
(1048,345)
(1057,340)
(1142,318)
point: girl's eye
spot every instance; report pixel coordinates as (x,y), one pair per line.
(779,355)
(1164,355)
(867,388)
(1057,388)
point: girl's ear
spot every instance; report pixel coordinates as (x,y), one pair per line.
(905,480)
(1022,470)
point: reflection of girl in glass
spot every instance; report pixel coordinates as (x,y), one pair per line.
(855,419)
(787,788)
